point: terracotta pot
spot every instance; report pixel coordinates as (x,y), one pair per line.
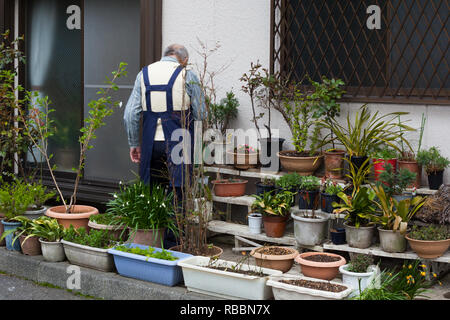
(278,262)
(2,229)
(78,218)
(114,231)
(31,247)
(412,166)
(320,270)
(217,255)
(244,161)
(428,249)
(225,188)
(152,238)
(378,166)
(334,164)
(304,166)
(274,226)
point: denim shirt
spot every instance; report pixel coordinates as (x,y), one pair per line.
(133,110)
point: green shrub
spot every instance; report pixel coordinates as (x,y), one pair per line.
(430,233)
(289,181)
(359,263)
(95,238)
(149,253)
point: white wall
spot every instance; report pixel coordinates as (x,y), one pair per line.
(242,27)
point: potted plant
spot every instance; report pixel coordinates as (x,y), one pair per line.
(309,193)
(29,243)
(50,234)
(434,164)
(148,263)
(111,222)
(366,132)
(229,187)
(14,201)
(226,279)
(289,182)
(395,183)
(245,157)
(146,210)
(407,159)
(40,195)
(305,288)
(39,116)
(358,207)
(274,257)
(329,194)
(429,242)
(265,185)
(220,115)
(310,227)
(275,209)
(383,156)
(394,219)
(358,273)
(266,91)
(320,265)
(89,249)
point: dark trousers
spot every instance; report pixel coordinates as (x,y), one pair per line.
(160,175)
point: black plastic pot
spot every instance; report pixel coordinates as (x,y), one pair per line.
(266,149)
(308,200)
(338,236)
(435,180)
(327,200)
(261,188)
(358,161)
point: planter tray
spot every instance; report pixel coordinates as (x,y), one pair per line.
(223,284)
(89,257)
(377,251)
(284,291)
(149,269)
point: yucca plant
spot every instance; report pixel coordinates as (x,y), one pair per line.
(367,132)
(358,176)
(395,214)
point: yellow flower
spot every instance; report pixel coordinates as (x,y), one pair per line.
(410,267)
(423,266)
(440,283)
(243,253)
(423,273)
(434,275)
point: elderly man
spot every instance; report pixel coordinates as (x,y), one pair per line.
(161,91)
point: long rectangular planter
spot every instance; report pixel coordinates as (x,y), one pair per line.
(90,257)
(284,291)
(149,269)
(230,285)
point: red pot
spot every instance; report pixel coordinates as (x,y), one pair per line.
(378,165)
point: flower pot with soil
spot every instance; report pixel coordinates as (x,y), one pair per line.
(310,227)
(225,279)
(255,223)
(148,263)
(213,252)
(320,265)
(309,193)
(334,164)
(229,187)
(301,162)
(359,273)
(52,251)
(434,164)
(110,222)
(289,182)
(381,158)
(395,183)
(245,157)
(78,217)
(275,209)
(329,195)
(429,242)
(30,246)
(146,210)
(274,257)
(23,234)
(412,166)
(337,236)
(289,287)
(266,185)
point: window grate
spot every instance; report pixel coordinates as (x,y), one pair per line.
(406,60)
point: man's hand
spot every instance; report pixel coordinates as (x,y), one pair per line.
(135,154)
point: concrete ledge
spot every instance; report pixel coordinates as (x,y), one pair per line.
(105,285)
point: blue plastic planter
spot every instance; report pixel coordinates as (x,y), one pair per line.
(9,238)
(149,269)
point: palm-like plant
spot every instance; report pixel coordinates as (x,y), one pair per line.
(367,132)
(359,207)
(395,214)
(357,175)
(274,204)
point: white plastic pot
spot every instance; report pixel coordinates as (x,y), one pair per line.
(358,281)
(255,223)
(308,231)
(229,285)
(90,257)
(284,291)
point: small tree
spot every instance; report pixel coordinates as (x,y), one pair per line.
(38,117)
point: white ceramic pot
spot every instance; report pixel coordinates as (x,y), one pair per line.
(357,281)
(284,291)
(224,284)
(90,257)
(52,251)
(255,223)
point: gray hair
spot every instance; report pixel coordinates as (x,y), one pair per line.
(178,50)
